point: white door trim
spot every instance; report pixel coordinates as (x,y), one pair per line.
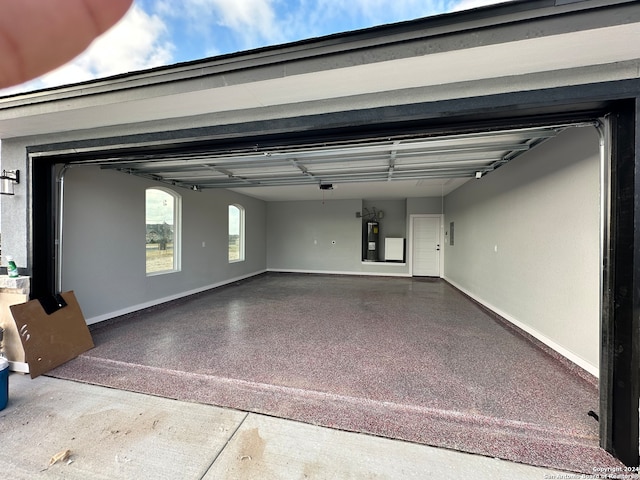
(412,217)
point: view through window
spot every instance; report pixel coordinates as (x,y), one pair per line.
(236,233)
(162,234)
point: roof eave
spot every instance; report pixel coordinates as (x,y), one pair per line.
(438,25)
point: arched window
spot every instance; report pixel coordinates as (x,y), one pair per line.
(236,233)
(162,218)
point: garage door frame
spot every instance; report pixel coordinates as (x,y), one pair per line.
(620,363)
(620,342)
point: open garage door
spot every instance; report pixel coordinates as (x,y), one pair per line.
(401,158)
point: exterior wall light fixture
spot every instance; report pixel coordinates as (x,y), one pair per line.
(8,179)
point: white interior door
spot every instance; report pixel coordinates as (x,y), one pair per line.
(425,245)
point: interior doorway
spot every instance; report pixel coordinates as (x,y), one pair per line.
(426,245)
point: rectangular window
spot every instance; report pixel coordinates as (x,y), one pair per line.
(163,232)
(236,233)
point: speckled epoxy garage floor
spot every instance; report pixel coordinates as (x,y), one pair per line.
(396,357)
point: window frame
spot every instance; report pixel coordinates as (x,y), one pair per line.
(241,233)
(177,231)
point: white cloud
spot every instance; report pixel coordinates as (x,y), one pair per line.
(253,21)
(469,4)
(266,22)
(257,15)
(309,18)
(137,42)
(383,11)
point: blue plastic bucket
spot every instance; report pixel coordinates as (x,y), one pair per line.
(4,382)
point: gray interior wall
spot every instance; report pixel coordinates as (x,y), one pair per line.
(527,242)
(424,205)
(104,242)
(301,235)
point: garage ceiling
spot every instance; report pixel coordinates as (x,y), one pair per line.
(427,162)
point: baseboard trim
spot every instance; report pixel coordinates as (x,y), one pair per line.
(336,272)
(159,301)
(568,355)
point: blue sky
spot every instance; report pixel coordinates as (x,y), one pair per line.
(164,32)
